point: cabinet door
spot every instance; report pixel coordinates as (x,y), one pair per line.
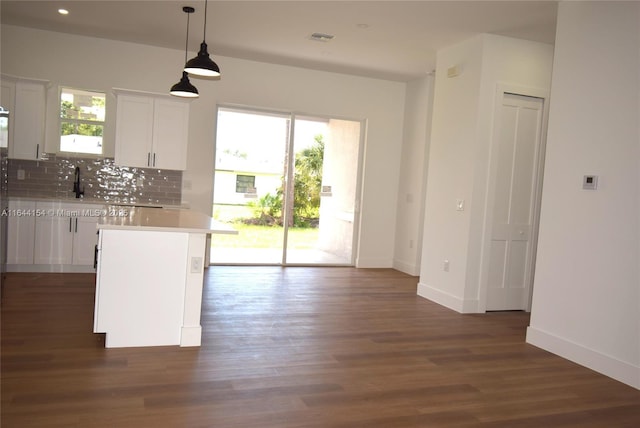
(85,239)
(170,134)
(134,131)
(7,100)
(20,232)
(54,240)
(28,121)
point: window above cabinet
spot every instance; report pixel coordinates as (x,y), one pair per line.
(82,120)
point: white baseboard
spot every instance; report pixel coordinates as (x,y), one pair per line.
(191,336)
(590,358)
(448,300)
(408,268)
(373,263)
(51,268)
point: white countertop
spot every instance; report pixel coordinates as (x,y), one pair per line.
(92,201)
(161,219)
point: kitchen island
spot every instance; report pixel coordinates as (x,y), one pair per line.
(149,277)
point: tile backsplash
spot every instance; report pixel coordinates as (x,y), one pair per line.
(101,178)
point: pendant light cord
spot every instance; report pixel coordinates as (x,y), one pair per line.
(205,20)
(186,43)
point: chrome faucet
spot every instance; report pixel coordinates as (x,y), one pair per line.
(76,184)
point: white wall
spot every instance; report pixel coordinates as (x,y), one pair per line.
(459,159)
(450,174)
(586,301)
(102,64)
(413,175)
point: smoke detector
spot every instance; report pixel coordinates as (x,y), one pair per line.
(321,37)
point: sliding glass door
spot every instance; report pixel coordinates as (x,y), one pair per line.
(288,184)
(324,192)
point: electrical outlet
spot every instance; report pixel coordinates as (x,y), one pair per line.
(445,266)
(20,174)
(196,264)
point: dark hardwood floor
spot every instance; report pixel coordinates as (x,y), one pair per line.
(293,347)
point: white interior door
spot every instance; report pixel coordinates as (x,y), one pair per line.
(517,148)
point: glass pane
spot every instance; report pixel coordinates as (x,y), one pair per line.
(82,105)
(248,182)
(81,138)
(4,130)
(324,191)
(81,128)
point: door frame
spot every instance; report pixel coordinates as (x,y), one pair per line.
(487,230)
(289,170)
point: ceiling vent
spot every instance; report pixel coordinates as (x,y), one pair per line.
(321,37)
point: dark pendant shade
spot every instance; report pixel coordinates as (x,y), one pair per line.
(184,88)
(202,65)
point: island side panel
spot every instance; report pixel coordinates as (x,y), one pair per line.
(191,328)
(141,287)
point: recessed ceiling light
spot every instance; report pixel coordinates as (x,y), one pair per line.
(63,11)
(362,25)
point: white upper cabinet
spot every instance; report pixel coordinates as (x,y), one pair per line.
(151,131)
(170,132)
(26,102)
(134,130)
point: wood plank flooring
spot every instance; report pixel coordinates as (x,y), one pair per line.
(293,347)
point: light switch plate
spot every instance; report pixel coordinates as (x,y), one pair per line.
(459,204)
(196,264)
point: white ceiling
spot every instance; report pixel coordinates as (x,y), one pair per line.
(395,40)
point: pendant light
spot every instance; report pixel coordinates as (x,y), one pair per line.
(202,65)
(184,88)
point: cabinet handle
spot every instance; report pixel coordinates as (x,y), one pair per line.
(95,257)
(148,159)
(76,224)
(37,150)
(69,224)
(154,159)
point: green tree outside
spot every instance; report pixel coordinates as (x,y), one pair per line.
(306,191)
(70,111)
(308,183)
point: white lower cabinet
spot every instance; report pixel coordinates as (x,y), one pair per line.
(85,238)
(20,232)
(54,240)
(51,236)
(66,234)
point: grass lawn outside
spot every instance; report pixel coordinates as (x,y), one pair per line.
(253,236)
